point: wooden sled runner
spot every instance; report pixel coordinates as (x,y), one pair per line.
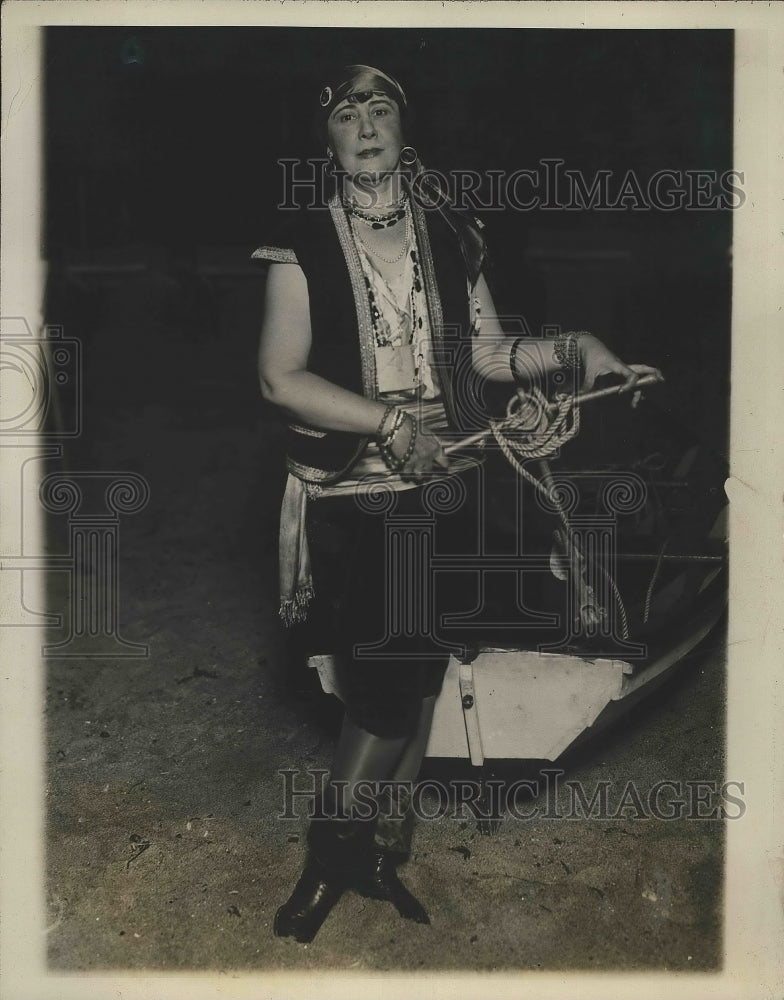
(526,705)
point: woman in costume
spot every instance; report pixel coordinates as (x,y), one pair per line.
(372,346)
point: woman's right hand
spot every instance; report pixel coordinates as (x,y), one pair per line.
(427,455)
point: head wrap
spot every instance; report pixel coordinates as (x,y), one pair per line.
(356,81)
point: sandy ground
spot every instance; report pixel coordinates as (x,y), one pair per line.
(165,850)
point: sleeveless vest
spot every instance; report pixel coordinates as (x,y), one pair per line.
(451,251)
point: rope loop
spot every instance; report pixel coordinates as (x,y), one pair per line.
(535,429)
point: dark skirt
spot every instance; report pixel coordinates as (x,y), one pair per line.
(383,585)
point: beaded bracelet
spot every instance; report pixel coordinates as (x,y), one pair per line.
(513,361)
(411,443)
(392,462)
(384,444)
(400,419)
(566,349)
(380,431)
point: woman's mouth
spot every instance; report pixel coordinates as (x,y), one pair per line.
(368,154)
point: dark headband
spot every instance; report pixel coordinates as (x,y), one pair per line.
(357,80)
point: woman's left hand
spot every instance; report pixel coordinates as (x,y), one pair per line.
(599,360)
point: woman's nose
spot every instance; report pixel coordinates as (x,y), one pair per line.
(367,127)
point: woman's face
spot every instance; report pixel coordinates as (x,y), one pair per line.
(366,138)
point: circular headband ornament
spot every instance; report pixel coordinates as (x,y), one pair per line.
(358,79)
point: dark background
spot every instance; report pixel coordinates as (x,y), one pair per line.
(162,177)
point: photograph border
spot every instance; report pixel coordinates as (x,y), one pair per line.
(754,871)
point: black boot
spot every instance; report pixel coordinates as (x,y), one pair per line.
(378,880)
(316,892)
(337,849)
(392,847)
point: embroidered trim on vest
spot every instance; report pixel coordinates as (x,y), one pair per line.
(278,255)
(433,301)
(309,431)
(310,474)
(367,350)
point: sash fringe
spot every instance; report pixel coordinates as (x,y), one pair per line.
(294,610)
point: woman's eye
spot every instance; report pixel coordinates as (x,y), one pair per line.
(380,111)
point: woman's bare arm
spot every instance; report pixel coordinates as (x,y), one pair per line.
(534,357)
(491,347)
(286,382)
(283,359)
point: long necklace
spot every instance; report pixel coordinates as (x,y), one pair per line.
(387,260)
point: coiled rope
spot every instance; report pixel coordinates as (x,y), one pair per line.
(529,415)
(535,429)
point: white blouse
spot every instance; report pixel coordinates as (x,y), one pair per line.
(402,331)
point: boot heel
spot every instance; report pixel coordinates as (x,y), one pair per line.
(379,880)
(309,905)
(337,849)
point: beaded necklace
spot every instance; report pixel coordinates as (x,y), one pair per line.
(405,328)
(383,221)
(376,253)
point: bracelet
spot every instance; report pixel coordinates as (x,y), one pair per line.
(384,445)
(400,419)
(392,462)
(387,411)
(513,361)
(566,349)
(386,441)
(411,443)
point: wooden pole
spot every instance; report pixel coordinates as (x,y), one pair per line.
(580,399)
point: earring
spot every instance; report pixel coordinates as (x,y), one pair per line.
(408,156)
